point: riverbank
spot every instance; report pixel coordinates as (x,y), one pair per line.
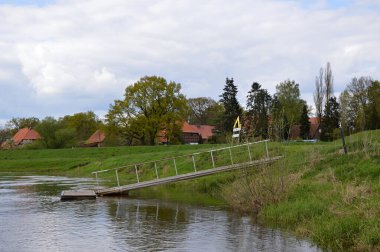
(315,191)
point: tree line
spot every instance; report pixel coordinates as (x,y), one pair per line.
(153,108)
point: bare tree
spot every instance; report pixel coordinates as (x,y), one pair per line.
(319,95)
(329,79)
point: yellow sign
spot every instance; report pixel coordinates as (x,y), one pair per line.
(237,123)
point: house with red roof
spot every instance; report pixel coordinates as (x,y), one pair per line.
(193,134)
(314,132)
(96,139)
(25,136)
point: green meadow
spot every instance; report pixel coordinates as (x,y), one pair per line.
(314,191)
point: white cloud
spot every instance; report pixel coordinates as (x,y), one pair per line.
(73,56)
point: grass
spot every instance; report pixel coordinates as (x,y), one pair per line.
(314,191)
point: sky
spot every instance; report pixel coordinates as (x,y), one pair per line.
(63,57)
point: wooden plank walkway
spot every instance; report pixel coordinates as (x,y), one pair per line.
(192,175)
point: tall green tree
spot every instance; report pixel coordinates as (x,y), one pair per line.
(258,107)
(54,134)
(84,123)
(357,97)
(330,119)
(231,105)
(372,109)
(288,95)
(203,110)
(149,106)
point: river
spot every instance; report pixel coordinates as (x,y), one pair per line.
(32,218)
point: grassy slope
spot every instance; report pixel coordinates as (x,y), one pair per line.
(324,195)
(335,199)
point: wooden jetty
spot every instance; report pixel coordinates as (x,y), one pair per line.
(78,194)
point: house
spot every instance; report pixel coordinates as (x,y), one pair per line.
(193,134)
(25,136)
(96,139)
(314,133)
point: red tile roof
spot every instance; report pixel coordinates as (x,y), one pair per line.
(25,134)
(97,137)
(204,130)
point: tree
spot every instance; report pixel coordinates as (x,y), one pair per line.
(203,110)
(84,123)
(149,106)
(319,95)
(330,119)
(258,107)
(231,105)
(329,79)
(358,99)
(347,114)
(288,95)
(372,109)
(18,123)
(304,122)
(54,134)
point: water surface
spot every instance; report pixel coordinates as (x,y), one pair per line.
(32,218)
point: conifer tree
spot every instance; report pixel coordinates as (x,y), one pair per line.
(231,105)
(305,123)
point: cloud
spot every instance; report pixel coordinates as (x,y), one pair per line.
(70,56)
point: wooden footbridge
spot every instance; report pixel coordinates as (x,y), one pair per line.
(123,179)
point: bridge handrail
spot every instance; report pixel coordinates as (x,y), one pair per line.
(171,158)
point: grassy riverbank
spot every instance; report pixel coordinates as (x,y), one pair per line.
(314,191)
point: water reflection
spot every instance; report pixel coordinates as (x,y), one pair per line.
(33,219)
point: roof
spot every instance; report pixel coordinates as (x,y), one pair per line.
(97,137)
(313,120)
(25,134)
(204,130)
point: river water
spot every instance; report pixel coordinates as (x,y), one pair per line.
(32,218)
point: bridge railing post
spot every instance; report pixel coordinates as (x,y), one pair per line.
(232,161)
(266,148)
(249,152)
(155,167)
(137,174)
(96,177)
(175,166)
(195,168)
(117,178)
(212,159)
